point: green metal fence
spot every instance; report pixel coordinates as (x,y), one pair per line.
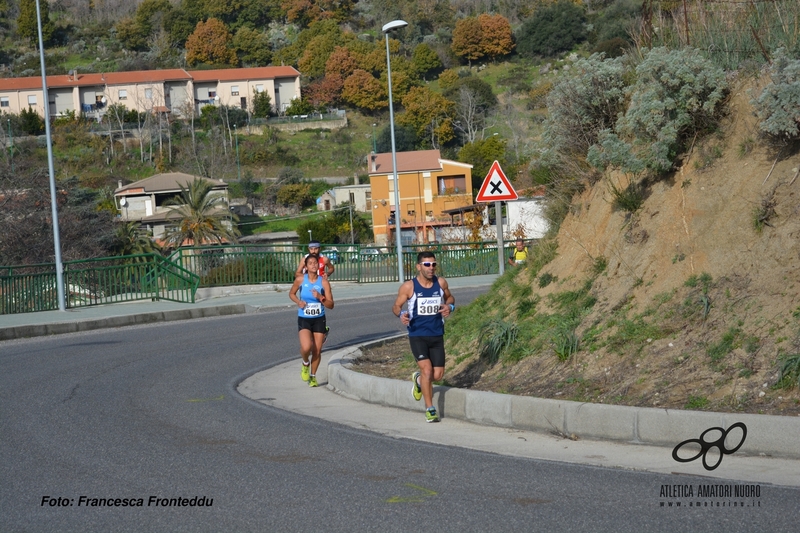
(95,281)
(219,266)
(176,278)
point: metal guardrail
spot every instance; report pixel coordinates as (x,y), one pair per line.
(108,280)
(95,281)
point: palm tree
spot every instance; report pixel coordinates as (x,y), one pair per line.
(203,218)
(128,240)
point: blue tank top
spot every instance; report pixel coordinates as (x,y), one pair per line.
(313,308)
(423,310)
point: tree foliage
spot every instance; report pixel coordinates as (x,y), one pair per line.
(553,29)
(252,47)
(364,91)
(430,114)
(210,44)
(130,239)
(204,217)
(334,228)
(468,39)
(262,104)
(305,12)
(31,122)
(27,22)
(295,194)
(425,60)
(481,154)
(405,139)
(497,39)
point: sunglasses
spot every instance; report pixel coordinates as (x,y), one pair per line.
(428,264)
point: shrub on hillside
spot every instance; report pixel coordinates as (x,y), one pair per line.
(612,48)
(583,103)
(552,29)
(677,94)
(778,105)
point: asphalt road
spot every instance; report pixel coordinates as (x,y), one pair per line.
(152,412)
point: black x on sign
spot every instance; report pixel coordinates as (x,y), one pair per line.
(496,186)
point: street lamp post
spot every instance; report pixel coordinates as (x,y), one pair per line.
(62,306)
(388,27)
(374,146)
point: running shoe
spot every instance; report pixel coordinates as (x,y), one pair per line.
(305,372)
(312,382)
(431,415)
(416,391)
(327,330)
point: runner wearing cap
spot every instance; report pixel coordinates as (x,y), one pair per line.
(325,265)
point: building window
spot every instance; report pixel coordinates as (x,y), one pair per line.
(234,90)
(3,101)
(259,89)
(212,94)
(123,94)
(148,93)
(452,184)
(32,99)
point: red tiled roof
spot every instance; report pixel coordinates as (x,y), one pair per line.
(94,79)
(146,76)
(240,74)
(406,161)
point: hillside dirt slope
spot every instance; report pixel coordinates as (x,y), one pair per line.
(720,294)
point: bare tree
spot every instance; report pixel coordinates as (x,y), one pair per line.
(470,113)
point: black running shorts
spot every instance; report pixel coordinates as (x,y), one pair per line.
(316,325)
(428,348)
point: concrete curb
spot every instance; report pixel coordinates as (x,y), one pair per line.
(770,435)
(37,330)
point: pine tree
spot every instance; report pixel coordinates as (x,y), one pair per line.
(27,26)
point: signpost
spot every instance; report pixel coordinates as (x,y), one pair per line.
(496,188)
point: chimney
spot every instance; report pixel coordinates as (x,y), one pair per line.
(355,178)
(373,157)
(119,184)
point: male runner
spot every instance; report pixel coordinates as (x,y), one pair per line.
(429,303)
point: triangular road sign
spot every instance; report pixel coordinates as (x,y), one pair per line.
(496,186)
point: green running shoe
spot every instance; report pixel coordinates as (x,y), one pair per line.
(416,391)
(312,382)
(430,415)
(305,372)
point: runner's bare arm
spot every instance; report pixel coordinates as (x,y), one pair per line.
(449,299)
(327,300)
(293,292)
(403,294)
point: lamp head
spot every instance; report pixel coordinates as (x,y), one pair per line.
(393,25)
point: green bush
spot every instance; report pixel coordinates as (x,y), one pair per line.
(612,47)
(583,103)
(552,29)
(677,93)
(777,105)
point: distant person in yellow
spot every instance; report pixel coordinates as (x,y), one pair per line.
(519,254)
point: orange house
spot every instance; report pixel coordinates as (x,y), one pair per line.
(429,186)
